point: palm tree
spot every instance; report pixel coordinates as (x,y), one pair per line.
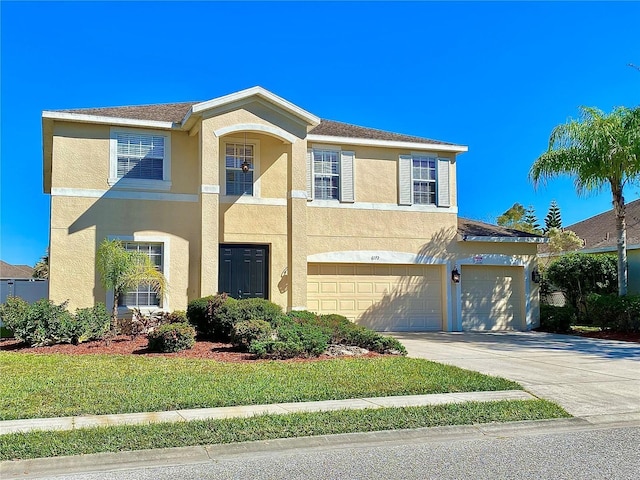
(41,269)
(123,270)
(598,149)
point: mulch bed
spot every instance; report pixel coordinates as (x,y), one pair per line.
(125,345)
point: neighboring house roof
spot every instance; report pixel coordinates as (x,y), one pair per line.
(8,271)
(473,230)
(599,231)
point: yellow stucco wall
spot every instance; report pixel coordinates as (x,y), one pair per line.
(194,223)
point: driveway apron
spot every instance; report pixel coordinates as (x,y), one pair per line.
(596,379)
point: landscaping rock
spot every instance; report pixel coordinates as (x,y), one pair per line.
(345,350)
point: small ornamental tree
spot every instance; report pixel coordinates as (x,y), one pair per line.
(580,274)
(564,241)
(122,270)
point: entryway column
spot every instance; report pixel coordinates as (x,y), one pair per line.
(297,226)
(209,207)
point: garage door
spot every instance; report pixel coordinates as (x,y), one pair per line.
(382,297)
(492,298)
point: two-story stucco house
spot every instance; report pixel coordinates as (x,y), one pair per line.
(251,195)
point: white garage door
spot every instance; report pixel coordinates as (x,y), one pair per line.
(382,297)
(492,298)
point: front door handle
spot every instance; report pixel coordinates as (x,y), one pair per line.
(239,293)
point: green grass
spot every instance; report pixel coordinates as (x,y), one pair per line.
(162,435)
(36,386)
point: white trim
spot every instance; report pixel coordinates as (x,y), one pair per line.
(375,257)
(122,195)
(499,260)
(139,183)
(298,309)
(475,238)
(382,206)
(387,143)
(98,119)
(209,188)
(251,200)
(298,194)
(165,241)
(122,182)
(249,92)
(257,127)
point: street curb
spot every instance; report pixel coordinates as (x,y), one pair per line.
(103,462)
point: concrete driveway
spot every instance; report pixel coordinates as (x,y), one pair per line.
(595,379)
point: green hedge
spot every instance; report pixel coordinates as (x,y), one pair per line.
(610,312)
(45,323)
(557,319)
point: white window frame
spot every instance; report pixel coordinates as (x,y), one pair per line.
(139,183)
(326,148)
(223,167)
(165,242)
(414,157)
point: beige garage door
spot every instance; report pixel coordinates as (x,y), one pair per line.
(382,297)
(492,298)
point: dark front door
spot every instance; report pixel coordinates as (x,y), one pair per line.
(244,271)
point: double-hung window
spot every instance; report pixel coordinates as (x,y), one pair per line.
(326,174)
(239,182)
(423,179)
(140,159)
(143,295)
(330,174)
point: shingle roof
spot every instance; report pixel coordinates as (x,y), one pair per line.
(339,129)
(599,231)
(164,112)
(474,228)
(175,112)
(9,271)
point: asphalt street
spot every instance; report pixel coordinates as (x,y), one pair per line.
(599,453)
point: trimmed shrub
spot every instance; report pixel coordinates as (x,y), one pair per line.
(172,337)
(13,313)
(292,340)
(41,323)
(213,316)
(557,319)
(259,309)
(302,315)
(245,332)
(620,314)
(91,323)
(177,316)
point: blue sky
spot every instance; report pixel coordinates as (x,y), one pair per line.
(494,76)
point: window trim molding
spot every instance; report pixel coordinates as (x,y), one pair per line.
(435,181)
(256,165)
(327,148)
(131,183)
(143,238)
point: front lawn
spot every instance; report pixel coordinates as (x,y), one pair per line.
(36,386)
(163,435)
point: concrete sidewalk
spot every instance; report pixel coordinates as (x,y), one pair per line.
(85,421)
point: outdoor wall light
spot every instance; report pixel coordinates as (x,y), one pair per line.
(455,276)
(535,276)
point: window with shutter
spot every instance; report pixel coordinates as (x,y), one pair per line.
(423,180)
(331,174)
